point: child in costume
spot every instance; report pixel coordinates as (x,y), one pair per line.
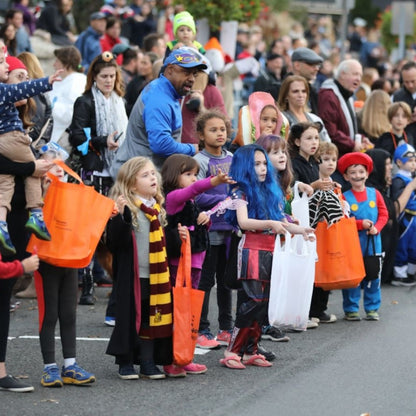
(213,128)
(179,173)
(184,30)
(143,326)
(260,117)
(260,220)
(15,145)
(405,261)
(368,208)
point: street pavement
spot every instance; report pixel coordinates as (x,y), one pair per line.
(339,369)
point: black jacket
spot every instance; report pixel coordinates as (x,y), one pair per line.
(84,116)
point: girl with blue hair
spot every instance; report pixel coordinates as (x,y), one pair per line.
(260,220)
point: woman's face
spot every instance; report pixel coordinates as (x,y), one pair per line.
(389,169)
(297,94)
(114,31)
(10,32)
(106,79)
(18,75)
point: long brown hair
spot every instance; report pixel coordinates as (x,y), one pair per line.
(105,60)
(172,169)
(283,102)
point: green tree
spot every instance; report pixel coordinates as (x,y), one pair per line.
(82,10)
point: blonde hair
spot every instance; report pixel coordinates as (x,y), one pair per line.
(125,183)
(374,116)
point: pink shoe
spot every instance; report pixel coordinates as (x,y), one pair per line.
(174,371)
(207,342)
(194,368)
(223,337)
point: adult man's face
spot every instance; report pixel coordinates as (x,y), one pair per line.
(306,70)
(98,25)
(182,79)
(275,66)
(351,78)
(17,20)
(409,79)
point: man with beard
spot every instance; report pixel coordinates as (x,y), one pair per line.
(155,121)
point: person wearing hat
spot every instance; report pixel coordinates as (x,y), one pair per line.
(88,42)
(269,79)
(369,210)
(336,107)
(306,63)
(184,30)
(155,122)
(405,261)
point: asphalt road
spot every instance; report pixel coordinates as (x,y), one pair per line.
(342,369)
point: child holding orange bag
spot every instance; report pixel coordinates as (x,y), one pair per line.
(179,173)
(368,208)
(57,289)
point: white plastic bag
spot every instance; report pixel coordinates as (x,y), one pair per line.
(291,285)
(300,207)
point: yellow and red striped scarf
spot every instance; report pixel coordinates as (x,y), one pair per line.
(160,287)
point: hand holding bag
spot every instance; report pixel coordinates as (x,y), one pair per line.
(187,306)
(76,216)
(300,207)
(372,263)
(291,285)
(340,260)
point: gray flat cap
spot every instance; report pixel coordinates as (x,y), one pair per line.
(306,55)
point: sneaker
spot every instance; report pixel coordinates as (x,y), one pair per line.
(274,334)
(174,371)
(372,316)
(51,377)
(6,246)
(127,372)
(311,324)
(110,321)
(268,355)
(408,281)
(74,374)
(223,337)
(325,318)
(103,281)
(10,383)
(352,316)
(194,368)
(150,371)
(207,342)
(36,224)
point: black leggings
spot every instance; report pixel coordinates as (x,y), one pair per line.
(60,289)
(6,286)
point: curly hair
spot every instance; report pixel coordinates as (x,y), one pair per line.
(201,121)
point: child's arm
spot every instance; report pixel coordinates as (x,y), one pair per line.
(404,196)
(175,200)
(246,223)
(383,215)
(16,268)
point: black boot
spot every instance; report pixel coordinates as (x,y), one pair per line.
(87,294)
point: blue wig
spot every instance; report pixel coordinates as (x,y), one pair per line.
(265,199)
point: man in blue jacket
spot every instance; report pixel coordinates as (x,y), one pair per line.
(155,121)
(88,42)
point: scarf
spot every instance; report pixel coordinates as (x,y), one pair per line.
(160,314)
(110,116)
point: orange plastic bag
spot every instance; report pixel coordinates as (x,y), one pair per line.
(76,216)
(340,261)
(187,306)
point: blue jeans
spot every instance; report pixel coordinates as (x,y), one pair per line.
(372,296)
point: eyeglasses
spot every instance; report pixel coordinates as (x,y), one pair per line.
(188,71)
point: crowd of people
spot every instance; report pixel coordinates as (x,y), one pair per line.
(167,156)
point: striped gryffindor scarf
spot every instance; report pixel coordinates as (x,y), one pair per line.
(160,288)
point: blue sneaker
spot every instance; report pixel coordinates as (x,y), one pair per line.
(51,377)
(36,224)
(6,245)
(74,374)
(110,321)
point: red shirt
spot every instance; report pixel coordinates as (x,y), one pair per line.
(10,269)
